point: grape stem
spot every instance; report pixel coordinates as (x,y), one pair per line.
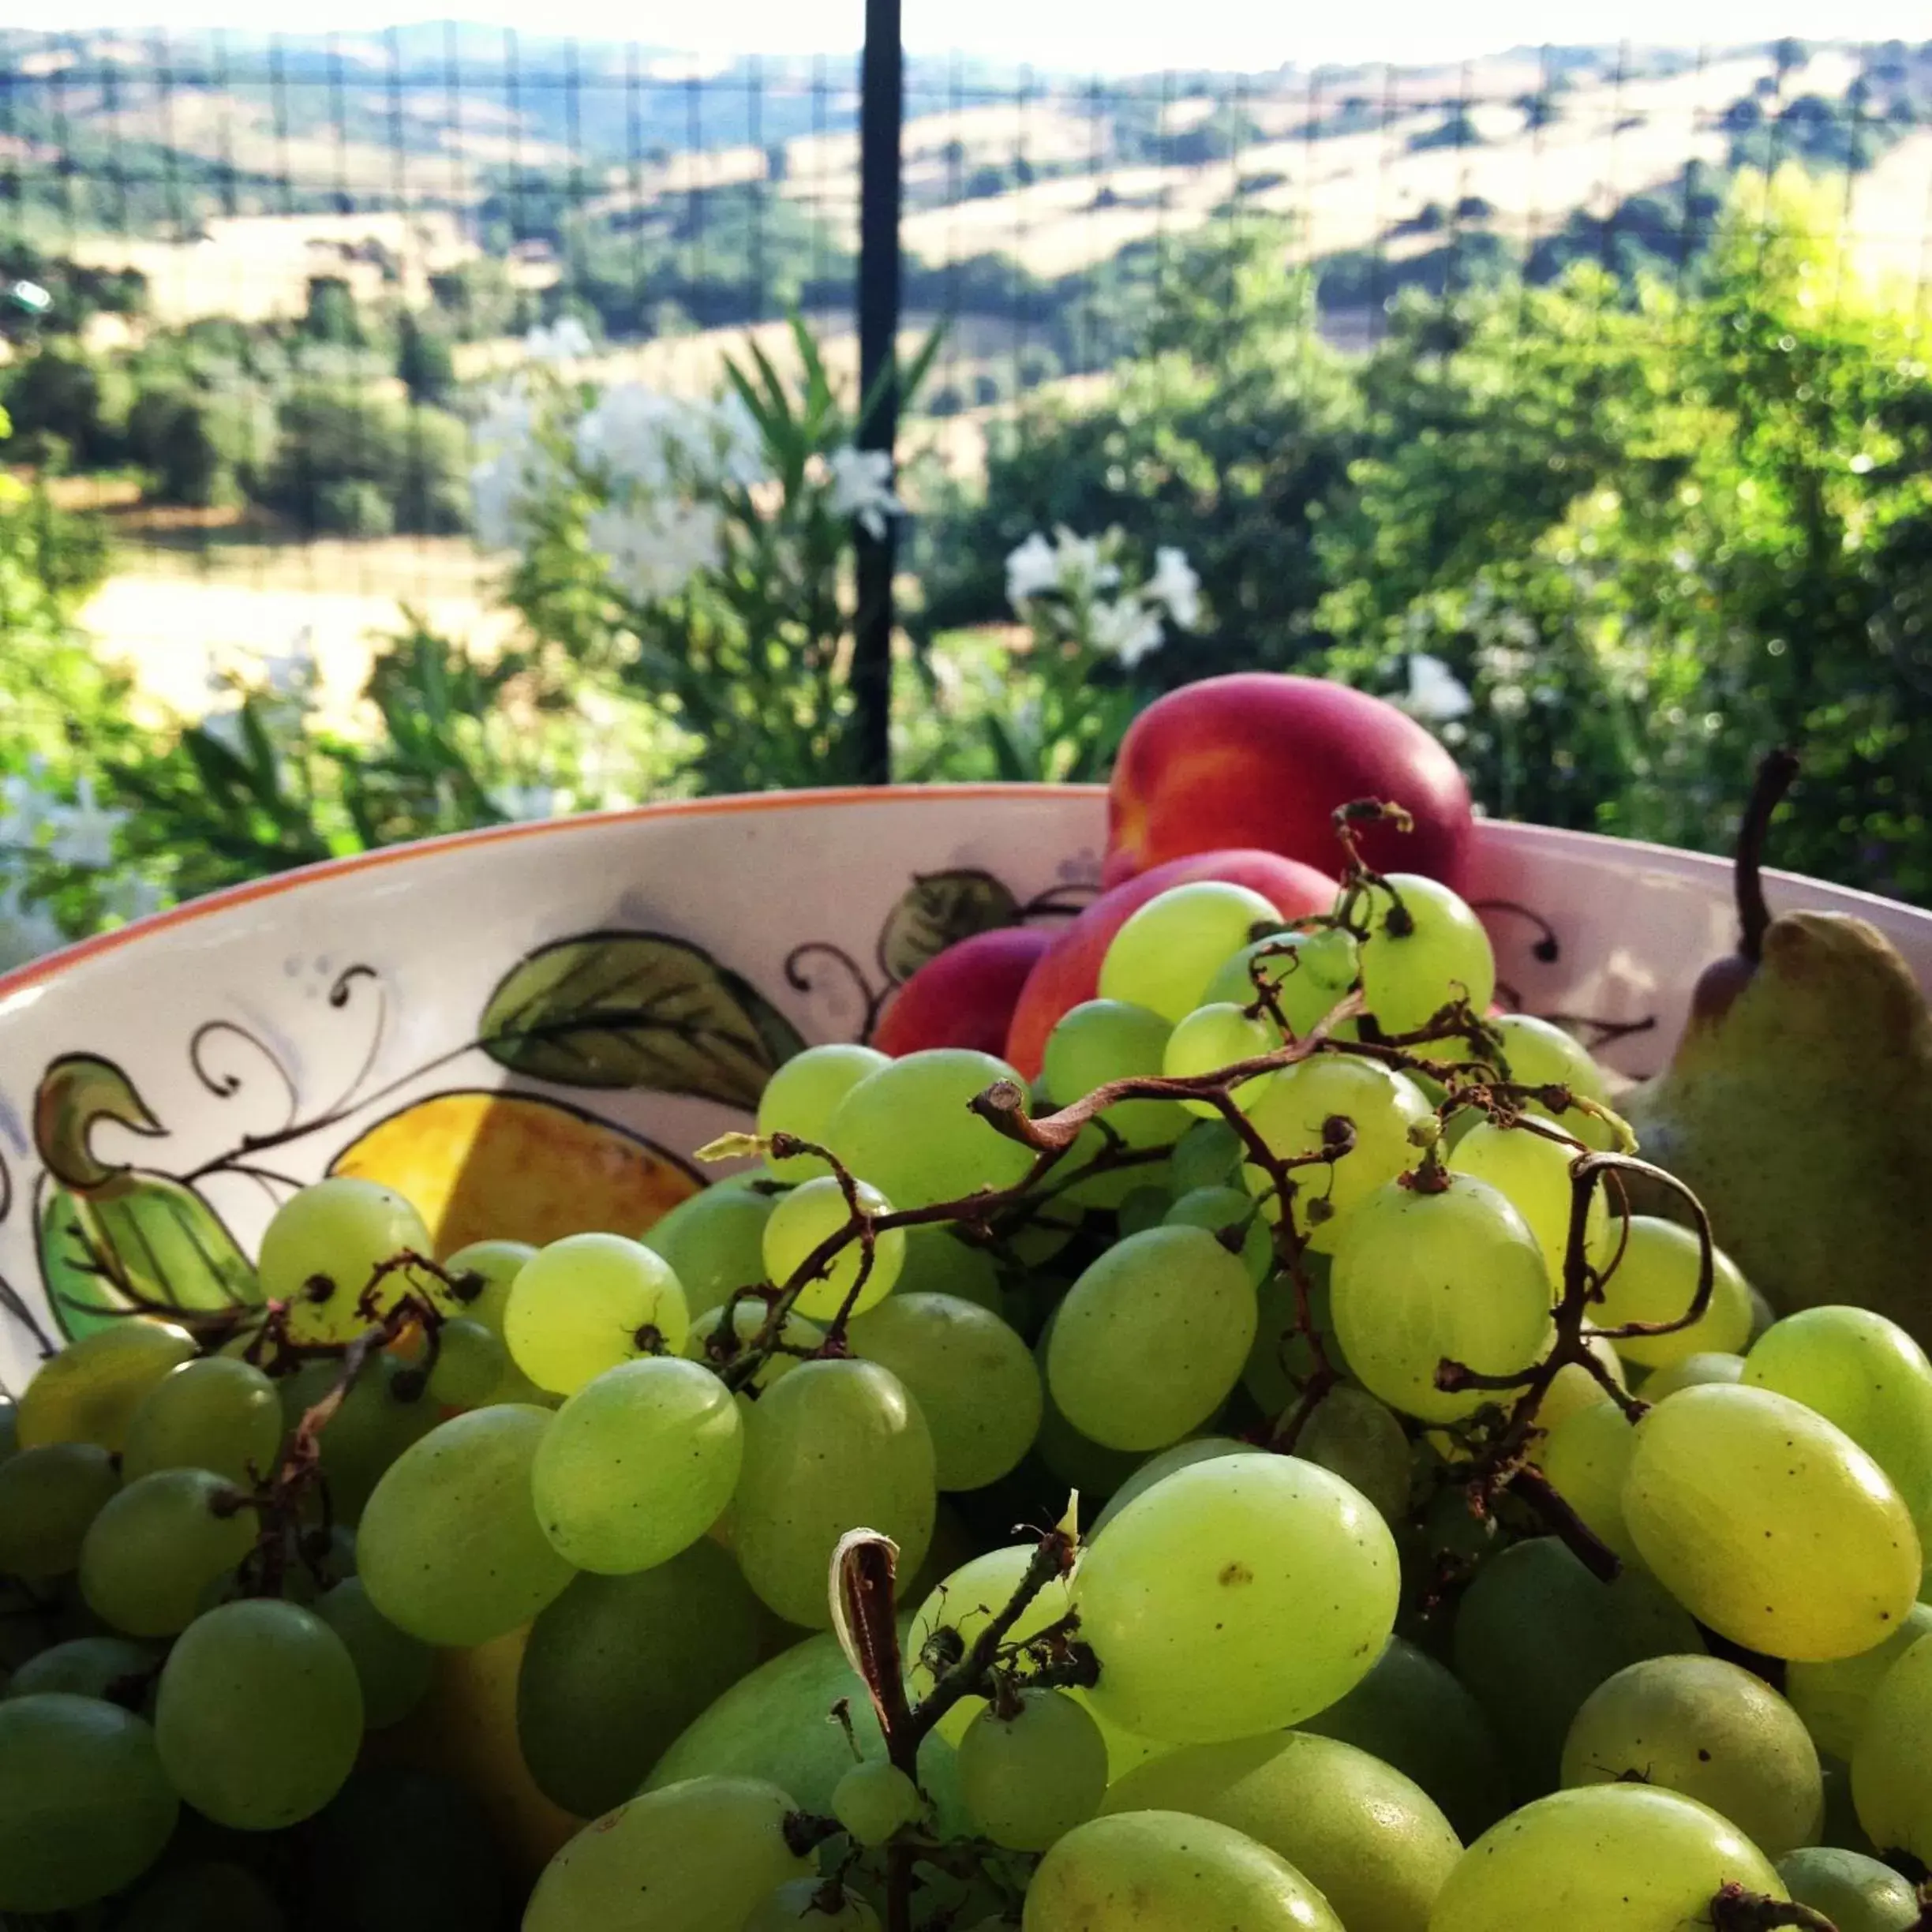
(1736,1910)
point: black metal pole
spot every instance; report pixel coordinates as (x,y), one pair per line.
(882,111)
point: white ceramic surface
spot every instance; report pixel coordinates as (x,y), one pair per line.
(680,947)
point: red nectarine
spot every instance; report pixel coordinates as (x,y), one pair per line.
(964,996)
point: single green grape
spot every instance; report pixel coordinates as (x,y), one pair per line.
(1892,1760)
(1029,1774)
(938,1262)
(706,1342)
(470,1361)
(1586,1457)
(1353,1435)
(1532,1174)
(259,1716)
(874,1799)
(707,1852)
(322,1251)
(386,1409)
(484,1273)
(1141,1208)
(1867,1375)
(1832,1698)
(1711,1731)
(1856,1893)
(1770,1524)
(1196,1601)
(1104,1040)
(714,1241)
(813,1905)
(450,1548)
(909,1129)
(1309,971)
(617,1667)
(85,1667)
(1655,1281)
(85,1807)
(1539,1054)
(1707,1365)
(1162,1871)
(1372,1842)
(1422,1277)
(214,1414)
(810,1216)
(89,1391)
(1283,1359)
(1573,1387)
(1212,1038)
(638,1465)
(393,1669)
(803,1094)
(1422,953)
(1220,1209)
(1616,1858)
(48,1497)
(1208,1154)
(1160,1465)
(155,1547)
(973,1378)
(835,1446)
(1151,1338)
(1169,949)
(588,1302)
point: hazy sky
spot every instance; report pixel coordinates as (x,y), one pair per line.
(1097,35)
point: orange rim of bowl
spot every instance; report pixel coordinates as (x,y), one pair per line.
(52,965)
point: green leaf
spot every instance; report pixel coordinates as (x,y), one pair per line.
(636,1010)
(937,910)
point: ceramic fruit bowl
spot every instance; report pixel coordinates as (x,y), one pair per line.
(527,1030)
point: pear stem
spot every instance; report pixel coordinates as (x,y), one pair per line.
(1775,774)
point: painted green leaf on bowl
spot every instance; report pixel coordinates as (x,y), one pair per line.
(938,909)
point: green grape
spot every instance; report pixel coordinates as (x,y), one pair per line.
(1030,1774)
(972,1377)
(1573,1387)
(1104,1040)
(1586,1456)
(638,1465)
(1143,1207)
(260,1714)
(393,1669)
(1070,1458)
(1372,1842)
(588,1302)
(1309,972)
(812,1905)
(1711,1731)
(88,1392)
(1690,1371)
(907,1128)
(1411,1713)
(1281,1359)
(1867,1375)
(484,1274)
(953,1616)
(809,1216)
(1856,1893)
(157,1545)
(48,1497)
(1294,1118)
(215,1414)
(470,1365)
(84,1805)
(1418,958)
(1353,1435)
(1169,949)
(200,1898)
(1614,1857)
(1538,1054)
(1655,1281)
(1532,1174)
(1770,1525)
(1421,1278)
(1832,1698)
(802,1097)
(85,1667)
(1208,1154)
(386,1410)
(938,1262)
(1213,1037)
(705,1342)
(1161,1871)
(618,1666)
(1892,1762)
(398,1850)
(322,1249)
(450,1548)
(1218,1209)
(1150,1338)
(705,1853)
(1199,1600)
(1158,1466)
(873,1800)
(1104,1188)
(715,1241)
(1535,1633)
(835,1446)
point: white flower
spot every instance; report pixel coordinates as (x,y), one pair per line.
(1126,630)
(656,549)
(290,677)
(563,340)
(84,831)
(862,488)
(131,896)
(1175,584)
(1082,569)
(520,802)
(1031,570)
(629,432)
(1435,692)
(24,810)
(26,932)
